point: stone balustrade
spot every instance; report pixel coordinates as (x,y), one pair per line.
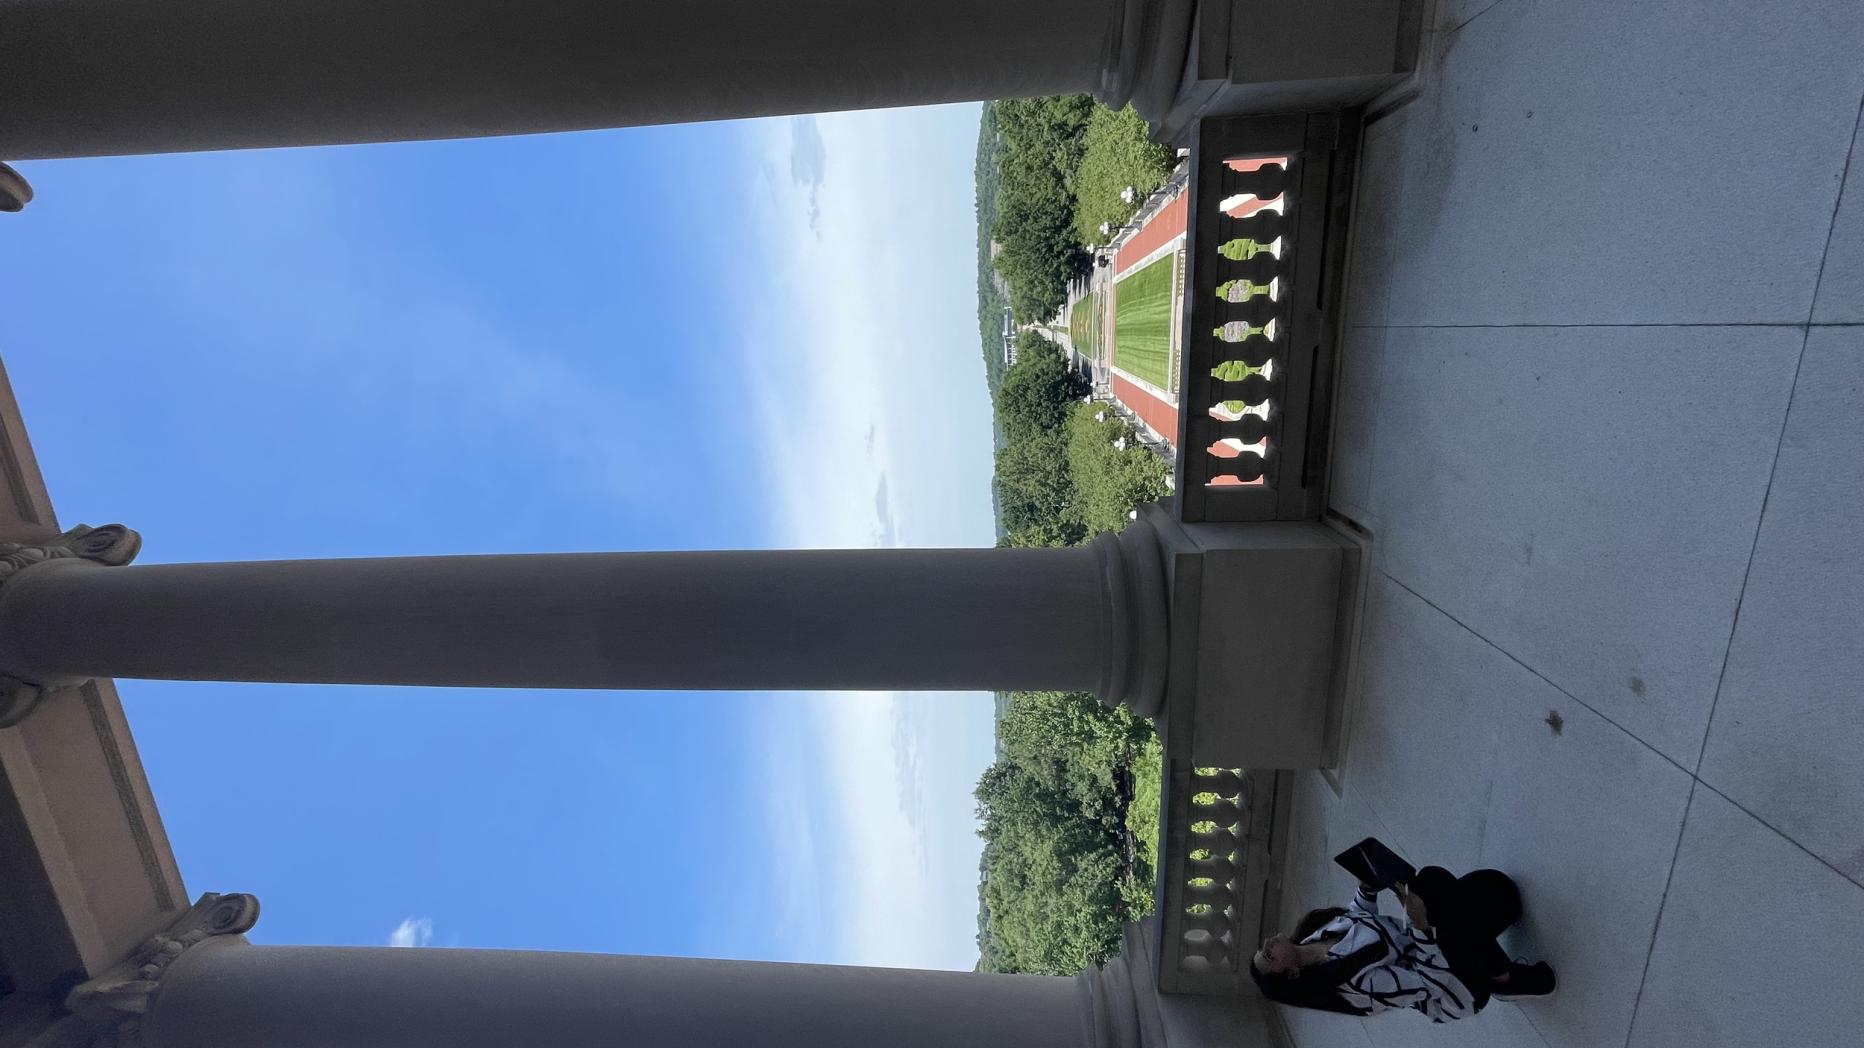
(1218,869)
(1267,214)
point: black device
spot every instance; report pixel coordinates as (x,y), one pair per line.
(1375,864)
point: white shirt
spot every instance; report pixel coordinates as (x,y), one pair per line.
(1410,973)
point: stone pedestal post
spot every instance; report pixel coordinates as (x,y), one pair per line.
(1086,619)
(90,77)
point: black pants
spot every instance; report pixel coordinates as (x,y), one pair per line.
(1483,905)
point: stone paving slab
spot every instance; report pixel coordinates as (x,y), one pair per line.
(1596,161)
(1586,498)
(1739,885)
(1841,285)
(1787,741)
(1462,757)
(1574,339)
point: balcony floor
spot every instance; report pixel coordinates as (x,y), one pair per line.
(1602,409)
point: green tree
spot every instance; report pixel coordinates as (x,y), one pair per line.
(1034,494)
(1045,534)
(992,297)
(1041,253)
(1055,879)
(1108,481)
(1117,151)
(1041,142)
(1050,131)
(1037,391)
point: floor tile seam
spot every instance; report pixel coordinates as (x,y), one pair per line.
(1778,832)
(1512,657)
(1465,22)
(1663,902)
(1831,229)
(1747,570)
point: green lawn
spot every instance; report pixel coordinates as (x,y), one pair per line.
(1084,324)
(1142,322)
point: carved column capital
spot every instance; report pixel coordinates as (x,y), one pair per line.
(112,544)
(113,1003)
(15,191)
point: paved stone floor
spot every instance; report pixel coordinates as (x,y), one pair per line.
(1603,413)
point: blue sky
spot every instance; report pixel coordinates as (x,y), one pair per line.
(757,334)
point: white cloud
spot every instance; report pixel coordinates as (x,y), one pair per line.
(870,802)
(861,329)
(414,931)
(873,422)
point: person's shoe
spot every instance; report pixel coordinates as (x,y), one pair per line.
(1526,980)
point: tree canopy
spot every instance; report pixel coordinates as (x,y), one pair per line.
(1040,142)
(1037,390)
(1108,480)
(1116,152)
(1058,874)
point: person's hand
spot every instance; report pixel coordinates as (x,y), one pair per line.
(1414,909)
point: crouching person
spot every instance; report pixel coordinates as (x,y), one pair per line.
(1360,962)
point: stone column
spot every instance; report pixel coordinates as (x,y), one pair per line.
(199,984)
(232,995)
(92,77)
(1086,619)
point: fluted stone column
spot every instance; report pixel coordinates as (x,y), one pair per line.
(1086,619)
(91,77)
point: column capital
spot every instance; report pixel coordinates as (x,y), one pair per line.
(15,191)
(113,1003)
(112,544)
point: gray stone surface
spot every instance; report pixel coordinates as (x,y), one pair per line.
(1585,498)
(1501,1025)
(1311,1029)
(1739,891)
(1594,161)
(1426,727)
(1355,421)
(1454,761)
(1787,741)
(1455,14)
(1841,285)
(1560,421)
(1585,818)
